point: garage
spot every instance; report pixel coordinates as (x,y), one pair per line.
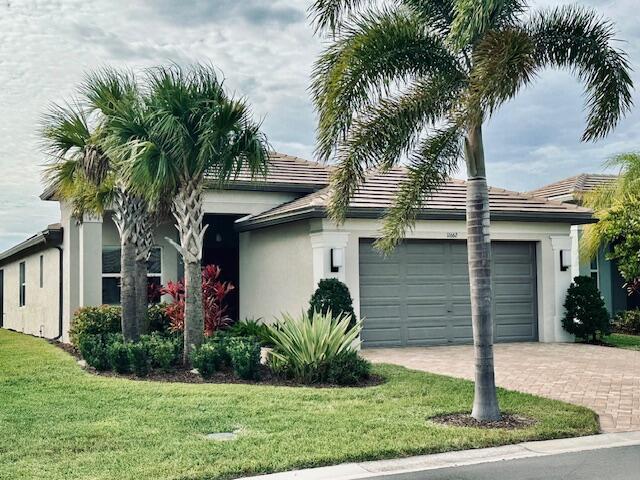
(419,295)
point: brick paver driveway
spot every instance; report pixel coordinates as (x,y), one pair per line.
(606,380)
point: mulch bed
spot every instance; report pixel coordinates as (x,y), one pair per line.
(508,421)
(186,376)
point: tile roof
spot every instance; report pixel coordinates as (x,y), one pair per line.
(288,173)
(573,186)
(285,173)
(47,238)
(449,202)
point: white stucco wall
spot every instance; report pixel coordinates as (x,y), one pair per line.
(40,315)
(276,271)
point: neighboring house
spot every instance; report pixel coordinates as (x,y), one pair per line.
(605,272)
(274,242)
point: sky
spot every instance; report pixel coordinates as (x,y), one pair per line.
(266,49)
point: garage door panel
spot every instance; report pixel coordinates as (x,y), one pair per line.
(420,294)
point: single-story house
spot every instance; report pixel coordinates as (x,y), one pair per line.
(274,241)
(605,272)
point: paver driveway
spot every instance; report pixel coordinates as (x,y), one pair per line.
(606,380)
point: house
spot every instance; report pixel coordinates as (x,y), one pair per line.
(274,241)
(605,272)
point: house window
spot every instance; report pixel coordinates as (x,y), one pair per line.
(23,284)
(41,271)
(593,271)
(111,272)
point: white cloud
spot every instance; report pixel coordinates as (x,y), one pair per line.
(266,50)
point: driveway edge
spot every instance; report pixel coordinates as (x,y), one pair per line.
(361,470)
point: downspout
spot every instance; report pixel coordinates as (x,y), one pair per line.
(60,295)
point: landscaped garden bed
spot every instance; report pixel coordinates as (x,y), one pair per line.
(60,422)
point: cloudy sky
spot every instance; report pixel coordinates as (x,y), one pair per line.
(266,49)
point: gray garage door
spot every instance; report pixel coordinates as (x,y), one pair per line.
(419,295)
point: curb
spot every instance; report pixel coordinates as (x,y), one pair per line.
(362,470)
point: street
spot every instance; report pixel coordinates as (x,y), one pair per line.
(621,463)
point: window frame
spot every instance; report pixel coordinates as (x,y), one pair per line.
(118,275)
(41,271)
(22,284)
(595,270)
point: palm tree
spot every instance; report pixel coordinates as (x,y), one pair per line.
(193,128)
(416,80)
(83,173)
(616,204)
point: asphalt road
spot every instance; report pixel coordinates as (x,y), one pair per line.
(622,463)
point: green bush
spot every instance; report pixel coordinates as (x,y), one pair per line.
(332,296)
(157,319)
(208,358)
(100,320)
(348,368)
(585,313)
(245,357)
(305,347)
(165,351)
(118,354)
(251,328)
(139,359)
(628,322)
(93,348)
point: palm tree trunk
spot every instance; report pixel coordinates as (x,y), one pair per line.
(485,404)
(189,214)
(125,218)
(142,298)
(128,289)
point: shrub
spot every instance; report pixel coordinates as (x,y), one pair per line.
(164,351)
(332,296)
(208,358)
(251,328)
(118,356)
(245,357)
(93,348)
(100,320)
(305,347)
(139,359)
(157,318)
(214,293)
(348,368)
(628,322)
(586,315)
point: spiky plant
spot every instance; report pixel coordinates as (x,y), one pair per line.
(417,79)
(193,128)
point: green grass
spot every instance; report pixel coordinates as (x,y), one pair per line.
(59,422)
(620,340)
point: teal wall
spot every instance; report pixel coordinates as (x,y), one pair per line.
(609,281)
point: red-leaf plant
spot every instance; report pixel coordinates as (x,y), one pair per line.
(213,295)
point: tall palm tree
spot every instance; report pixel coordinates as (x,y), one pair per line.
(417,79)
(193,128)
(84,174)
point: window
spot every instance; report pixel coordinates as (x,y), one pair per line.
(41,271)
(111,272)
(593,271)
(23,285)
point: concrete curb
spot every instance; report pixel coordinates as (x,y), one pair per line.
(355,471)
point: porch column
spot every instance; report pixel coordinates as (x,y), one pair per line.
(322,244)
(70,272)
(90,260)
(562,281)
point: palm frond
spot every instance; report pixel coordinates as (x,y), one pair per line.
(437,14)
(474,18)
(65,128)
(328,15)
(503,62)
(580,40)
(375,52)
(430,167)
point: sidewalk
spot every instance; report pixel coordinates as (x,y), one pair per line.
(354,471)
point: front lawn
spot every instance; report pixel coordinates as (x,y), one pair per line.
(59,422)
(621,340)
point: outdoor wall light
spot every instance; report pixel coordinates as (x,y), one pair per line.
(337,259)
(565,260)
